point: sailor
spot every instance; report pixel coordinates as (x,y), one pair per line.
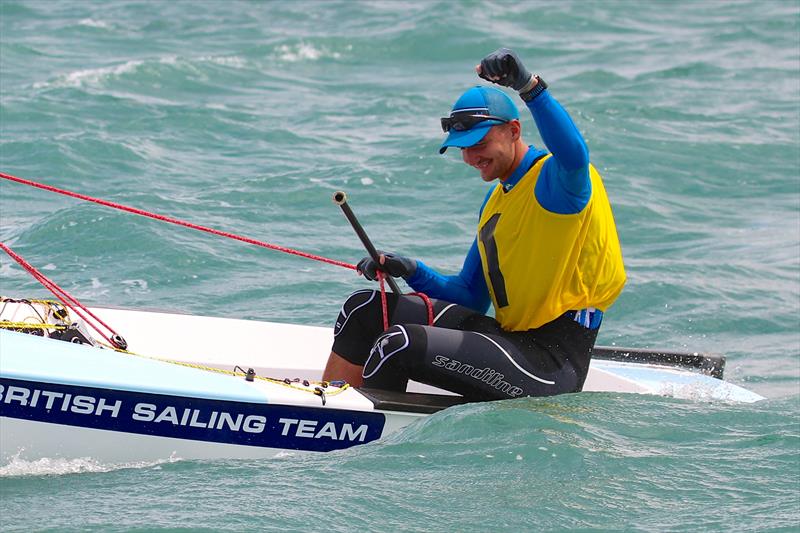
(546,256)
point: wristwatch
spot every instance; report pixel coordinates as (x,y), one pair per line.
(536,91)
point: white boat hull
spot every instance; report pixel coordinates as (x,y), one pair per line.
(59,399)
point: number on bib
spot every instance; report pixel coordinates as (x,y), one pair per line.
(486,235)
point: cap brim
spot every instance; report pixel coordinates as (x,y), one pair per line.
(465,139)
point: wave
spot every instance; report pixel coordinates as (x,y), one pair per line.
(94,23)
(99,76)
(18,467)
(92,76)
(305,52)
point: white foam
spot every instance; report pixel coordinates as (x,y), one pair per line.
(58,467)
(704,392)
(91,76)
(303,51)
(94,23)
(95,76)
(284,455)
(226,61)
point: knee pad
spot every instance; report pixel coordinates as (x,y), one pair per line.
(357,302)
(389,344)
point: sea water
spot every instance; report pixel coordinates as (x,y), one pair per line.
(247,116)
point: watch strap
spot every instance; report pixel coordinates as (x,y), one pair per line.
(536,91)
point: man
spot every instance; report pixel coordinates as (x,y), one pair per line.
(546,255)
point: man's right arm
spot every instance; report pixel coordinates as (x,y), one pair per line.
(564,186)
(467,288)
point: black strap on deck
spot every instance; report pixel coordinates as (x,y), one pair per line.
(711,364)
(410,402)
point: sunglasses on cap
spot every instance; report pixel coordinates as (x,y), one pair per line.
(466,120)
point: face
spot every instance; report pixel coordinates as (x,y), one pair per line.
(494,156)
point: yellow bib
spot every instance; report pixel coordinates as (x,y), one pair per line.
(539,264)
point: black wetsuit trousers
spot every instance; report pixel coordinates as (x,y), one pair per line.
(464,351)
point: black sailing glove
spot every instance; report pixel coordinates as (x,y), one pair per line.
(503,67)
(396,266)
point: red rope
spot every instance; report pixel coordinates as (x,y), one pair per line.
(67,299)
(428,305)
(54,288)
(384,305)
(171,220)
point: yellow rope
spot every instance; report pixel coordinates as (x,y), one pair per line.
(5,324)
(322,385)
(28,300)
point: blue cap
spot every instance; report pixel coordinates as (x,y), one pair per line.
(482,100)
